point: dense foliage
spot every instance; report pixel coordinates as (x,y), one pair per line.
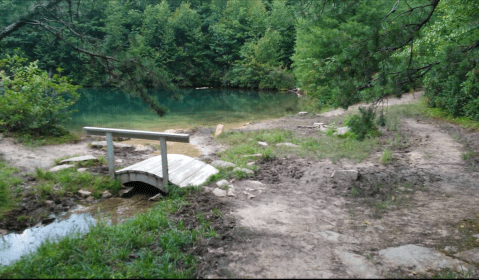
(31,101)
(337,51)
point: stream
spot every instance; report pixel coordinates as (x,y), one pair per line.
(78,220)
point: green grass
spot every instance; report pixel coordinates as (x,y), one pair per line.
(322,146)
(387,156)
(10,189)
(150,245)
(38,140)
(73,181)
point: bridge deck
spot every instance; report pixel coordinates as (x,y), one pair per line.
(182,171)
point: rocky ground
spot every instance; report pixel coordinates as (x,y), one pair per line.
(292,219)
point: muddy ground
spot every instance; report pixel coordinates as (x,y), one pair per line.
(303,223)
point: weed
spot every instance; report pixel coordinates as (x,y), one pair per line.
(468,155)
(452,274)
(387,156)
(102,160)
(23,218)
(9,187)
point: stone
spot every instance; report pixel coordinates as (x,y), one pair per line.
(47,220)
(84,194)
(323,128)
(349,175)
(341,130)
(255,184)
(249,195)
(49,202)
(143,148)
(69,194)
(475,235)
(231,192)
(246,170)
(207,189)
(90,199)
(302,114)
(118,161)
(219,192)
(318,124)
(221,163)
(358,265)
(337,237)
(420,258)
(219,130)
(156,197)
(222,183)
(78,159)
(101,144)
(106,194)
(61,167)
(450,249)
(251,163)
(287,145)
(3,232)
(264,144)
(83,169)
(470,256)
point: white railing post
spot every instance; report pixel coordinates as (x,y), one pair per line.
(111,160)
(164,161)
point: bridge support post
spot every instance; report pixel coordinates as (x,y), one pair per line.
(111,160)
(164,161)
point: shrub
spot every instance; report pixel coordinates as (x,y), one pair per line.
(363,125)
(32,102)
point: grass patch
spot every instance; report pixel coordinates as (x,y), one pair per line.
(150,245)
(72,181)
(39,140)
(322,146)
(387,156)
(10,189)
(452,274)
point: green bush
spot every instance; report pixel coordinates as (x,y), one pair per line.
(31,101)
(363,125)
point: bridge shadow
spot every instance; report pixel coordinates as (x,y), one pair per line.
(141,188)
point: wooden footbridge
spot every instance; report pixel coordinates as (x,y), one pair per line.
(180,170)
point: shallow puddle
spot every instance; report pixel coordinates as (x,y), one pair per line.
(114,210)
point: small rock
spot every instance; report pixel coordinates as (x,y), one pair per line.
(69,194)
(219,192)
(84,194)
(49,202)
(379,227)
(287,145)
(450,249)
(101,144)
(81,170)
(323,128)
(142,148)
(90,199)
(106,194)
(219,251)
(207,189)
(246,170)
(219,130)
(350,175)
(222,183)
(61,167)
(470,256)
(3,232)
(119,160)
(264,144)
(78,159)
(318,124)
(475,235)
(341,130)
(126,192)
(249,195)
(221,163)
(231,192)
(302,114)
(251,163)
(255,184)
(155,197)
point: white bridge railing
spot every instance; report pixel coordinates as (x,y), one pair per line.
(139,134)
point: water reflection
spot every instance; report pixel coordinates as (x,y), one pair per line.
(13,246)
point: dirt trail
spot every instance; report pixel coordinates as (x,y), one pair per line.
(305,224)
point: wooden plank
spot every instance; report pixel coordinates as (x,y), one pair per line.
(199,177)
(111,160)
(164,160)
(190,170)
(139,134)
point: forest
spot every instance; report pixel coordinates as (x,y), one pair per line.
(337,52)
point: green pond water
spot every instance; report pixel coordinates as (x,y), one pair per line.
(106,107)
